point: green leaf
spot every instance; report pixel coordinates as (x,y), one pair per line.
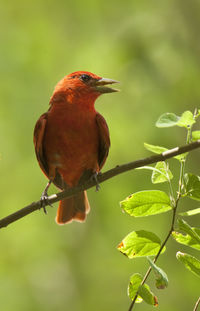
(134,284)
(155,149)
(161,174)
(167,120)
(186,119)
(192,186)
(139,244)
(187,239)
(181,157)
(161,276)
(170,119)
(195,135)
(159,150)
(145,203)
(145,292)
(190,262)
(191,212)
(185,227)
(192,237)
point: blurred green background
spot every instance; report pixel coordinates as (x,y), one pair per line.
(153,48)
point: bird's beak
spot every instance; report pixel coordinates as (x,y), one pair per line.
(100,85)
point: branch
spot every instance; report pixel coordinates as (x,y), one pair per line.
(119,169)
(197,304)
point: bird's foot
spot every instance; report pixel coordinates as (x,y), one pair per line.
(44,198)
(94,177)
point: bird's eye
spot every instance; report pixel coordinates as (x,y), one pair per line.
(85,78)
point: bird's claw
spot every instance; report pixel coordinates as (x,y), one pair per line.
(94,177)
(43,202)
(44,198)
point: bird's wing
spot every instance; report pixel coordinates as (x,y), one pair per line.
(40,152)
(38,142)
(104,139)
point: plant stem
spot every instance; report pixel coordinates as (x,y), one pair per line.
(171,191)
(196,304)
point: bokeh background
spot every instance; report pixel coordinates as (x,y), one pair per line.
(153,48)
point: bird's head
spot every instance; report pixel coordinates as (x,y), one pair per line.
(84,85)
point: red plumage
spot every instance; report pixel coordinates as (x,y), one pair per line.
(72,139)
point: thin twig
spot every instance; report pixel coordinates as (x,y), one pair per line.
(101,178)
(196,304)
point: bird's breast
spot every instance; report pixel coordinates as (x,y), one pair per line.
(71,142)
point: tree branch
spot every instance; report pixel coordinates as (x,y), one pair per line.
(119,169)
(197,304)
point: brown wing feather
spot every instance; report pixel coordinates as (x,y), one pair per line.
(104,139)
(38,142)
(40,153)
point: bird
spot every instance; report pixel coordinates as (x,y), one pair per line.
(72,140)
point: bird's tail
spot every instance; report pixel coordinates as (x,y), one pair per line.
(74,208)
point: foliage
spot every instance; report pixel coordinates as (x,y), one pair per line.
(145,203)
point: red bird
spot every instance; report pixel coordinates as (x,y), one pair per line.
(72,139)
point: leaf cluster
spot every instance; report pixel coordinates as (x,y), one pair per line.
(144,203)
